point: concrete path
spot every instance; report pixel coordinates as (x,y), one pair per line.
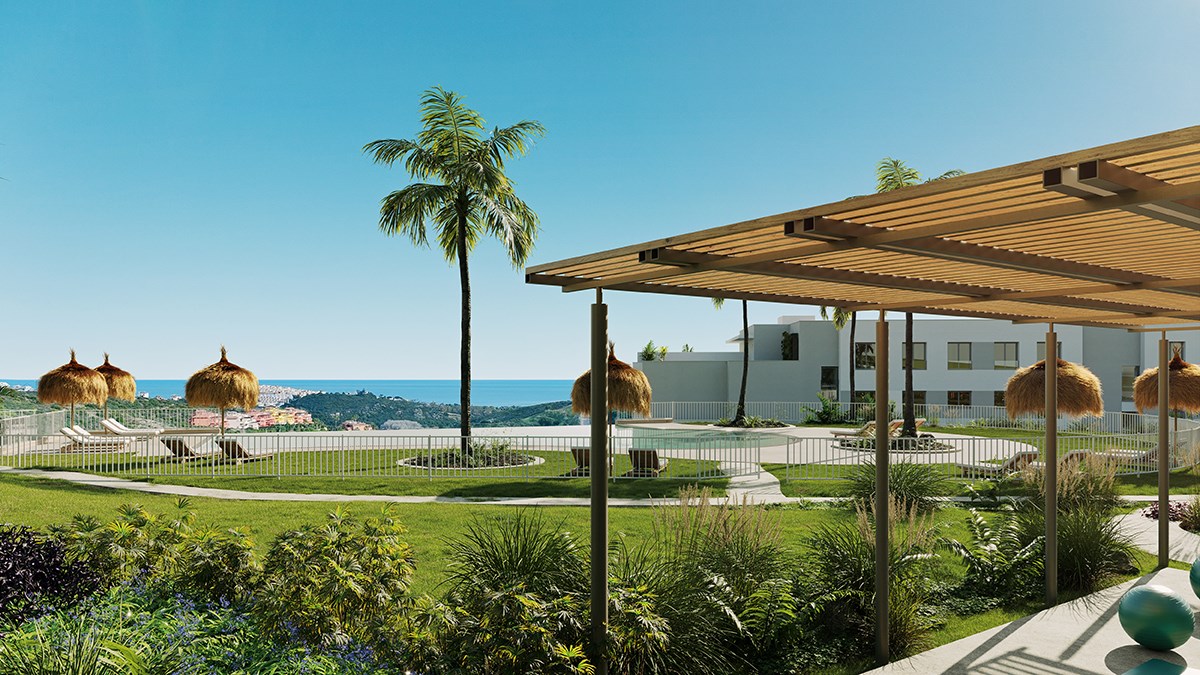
(1184,545)
(758,489)
(1082,637)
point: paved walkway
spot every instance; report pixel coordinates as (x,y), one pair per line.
(1082,637)
(758,489)
(1184,545)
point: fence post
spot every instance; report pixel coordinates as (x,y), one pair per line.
(429,462)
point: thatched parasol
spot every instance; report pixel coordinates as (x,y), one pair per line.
(70,384)
(1183,386)
(121,384)
(628,389)
(1078,390)
(222,385)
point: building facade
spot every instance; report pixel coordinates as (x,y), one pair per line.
(956,361)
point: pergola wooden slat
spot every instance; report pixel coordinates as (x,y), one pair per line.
(1106,237)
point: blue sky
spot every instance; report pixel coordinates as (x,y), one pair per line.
(182,175)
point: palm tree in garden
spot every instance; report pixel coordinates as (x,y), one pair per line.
(739,418)
(462,193)
(893,174)
(840,318)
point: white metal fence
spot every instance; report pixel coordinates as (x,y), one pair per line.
(648,454)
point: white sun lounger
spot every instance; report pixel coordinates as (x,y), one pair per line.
(85,442)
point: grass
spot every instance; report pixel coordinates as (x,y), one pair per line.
(41,501)
(374,472)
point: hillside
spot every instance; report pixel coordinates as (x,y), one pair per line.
(333,409)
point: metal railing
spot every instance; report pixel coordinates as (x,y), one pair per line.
(648,454)
(981,457)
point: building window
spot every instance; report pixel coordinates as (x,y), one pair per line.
(918,397)
(1006,356)
(959,356)
(998,398)
(864,355)
(918,355)
(1041,350)
(958,397)
(829,378)
(1128,375)
(1172,346)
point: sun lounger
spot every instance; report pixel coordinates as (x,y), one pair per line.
(182,451)
(85,442)
(119,429)
(583,465)
(234,452)
(1070,460)
(864,431)
(646,463)
(1015,463)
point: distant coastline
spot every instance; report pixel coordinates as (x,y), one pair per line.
(483,392)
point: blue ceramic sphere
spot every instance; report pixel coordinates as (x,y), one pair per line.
(1156,617)
(1195,577)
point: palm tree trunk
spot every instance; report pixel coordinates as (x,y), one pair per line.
(853,330)
(464,278)
(739,418)
(910,417)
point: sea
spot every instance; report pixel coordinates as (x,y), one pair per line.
(483,392)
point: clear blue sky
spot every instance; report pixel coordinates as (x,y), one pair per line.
(181,175)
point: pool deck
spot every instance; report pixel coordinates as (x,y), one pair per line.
(1080,637)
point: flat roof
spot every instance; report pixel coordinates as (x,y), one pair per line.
(1108,236)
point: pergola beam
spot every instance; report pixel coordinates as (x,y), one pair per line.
(827,229)
(1186,286)
(885,236)
(1098,178)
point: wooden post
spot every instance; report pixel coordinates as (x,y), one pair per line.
(1051,472)
(883,441)
(1164,453)
(598,456)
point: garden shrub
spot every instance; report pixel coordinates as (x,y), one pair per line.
(200,562)
(345,580)
(1000,562)
(1092,548)
(829,412)
(1190,517)
(911,485)
(36,576)
(841,576)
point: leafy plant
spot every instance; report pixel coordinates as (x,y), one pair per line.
(36,576)
(912,485)
(1000,562)
(82,647)
(649,352)
(840,562)
(1190,519)
(346,580)
(829,412)
(1092,548)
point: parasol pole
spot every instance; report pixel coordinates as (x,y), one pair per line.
(598,457)
(1164,440)
(1050,477)
(883,441)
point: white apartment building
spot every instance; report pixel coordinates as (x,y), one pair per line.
(957,361)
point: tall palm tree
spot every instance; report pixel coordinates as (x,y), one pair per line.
(739,418)
(893,174)
(840,318)
(462,193)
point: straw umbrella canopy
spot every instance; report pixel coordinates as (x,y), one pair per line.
(70,384)
(121,384)
(222,385)
(1183,387)
(1079,390)
(628,388)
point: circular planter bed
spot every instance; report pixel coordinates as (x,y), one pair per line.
(455,459)
(922,445)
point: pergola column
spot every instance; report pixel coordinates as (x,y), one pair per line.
(1164,454)
(598,469)
(883,441)
(1050,476)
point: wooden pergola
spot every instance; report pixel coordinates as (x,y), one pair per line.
(1106,237)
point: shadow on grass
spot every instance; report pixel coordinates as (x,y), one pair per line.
(641,488)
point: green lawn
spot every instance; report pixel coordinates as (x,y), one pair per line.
(376,472)
(39,502)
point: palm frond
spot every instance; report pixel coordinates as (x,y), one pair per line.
(450,126)
(513,141)
(388,150)
(405,211)
(510,220)
(718,303)
(893,174)
(952,173)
